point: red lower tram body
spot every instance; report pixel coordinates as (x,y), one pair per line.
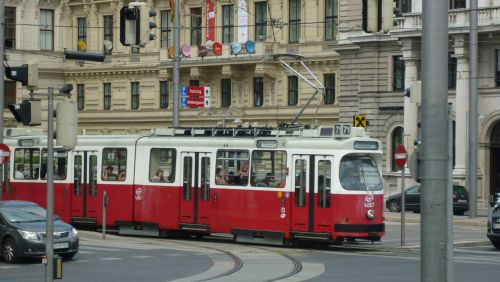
(260,216)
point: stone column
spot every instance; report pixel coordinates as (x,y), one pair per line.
(461,108)
(411,109)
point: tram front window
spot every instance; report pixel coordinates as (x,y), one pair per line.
(359,173)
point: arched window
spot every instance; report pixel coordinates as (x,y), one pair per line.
(396,140)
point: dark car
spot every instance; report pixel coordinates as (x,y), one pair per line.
(22,232)
(412,200)
(494,225)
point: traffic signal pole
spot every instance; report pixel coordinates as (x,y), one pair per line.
(2,75)
(49,235)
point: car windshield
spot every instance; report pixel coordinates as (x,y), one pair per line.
(21,214)
(360,173)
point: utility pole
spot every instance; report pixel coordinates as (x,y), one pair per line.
(176,67)
(472,148)
(434,230)
(2,75)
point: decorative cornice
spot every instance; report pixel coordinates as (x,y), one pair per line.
(114,73)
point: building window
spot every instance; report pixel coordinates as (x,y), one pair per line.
(225,92)
(403,6)
(80,96)
(196,26)
(135,95)
(82,29)
(194,82)
(396,140)
(166,31)
(10,27)
(457,4)
(46,30)
(329,89)
(398,78)
(497,67)
(452,71)
(331,14)
(163,94)
(107,96)
(294,21)
(9,87)
(293,90)
(258,91)
(227,23)
(260,21)
(108,28)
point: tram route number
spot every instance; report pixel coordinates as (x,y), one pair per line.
(342,129)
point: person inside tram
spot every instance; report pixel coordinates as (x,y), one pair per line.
(108,175)
(243,169)
(219,176)
(61,174)
(19,171)
(158,176)
(122,175)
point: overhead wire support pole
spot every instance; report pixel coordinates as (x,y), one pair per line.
(472,141)
(176,66)
(434,262)
(49,234)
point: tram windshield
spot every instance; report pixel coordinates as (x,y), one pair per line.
(359,173)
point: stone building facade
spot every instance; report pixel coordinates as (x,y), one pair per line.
(375,70)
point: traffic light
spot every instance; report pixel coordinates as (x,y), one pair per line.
(84,56)
(129,26)
(27,74)
(66,124)
(28,112)
(146,25)
(378,15)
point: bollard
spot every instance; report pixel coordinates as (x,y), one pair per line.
(104,205)
(57,270)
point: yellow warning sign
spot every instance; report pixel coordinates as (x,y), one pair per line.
(359,121)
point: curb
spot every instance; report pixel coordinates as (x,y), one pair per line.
(460,222)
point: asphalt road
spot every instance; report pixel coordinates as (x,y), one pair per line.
(219,259)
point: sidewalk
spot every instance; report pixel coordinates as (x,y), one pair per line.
(464,220)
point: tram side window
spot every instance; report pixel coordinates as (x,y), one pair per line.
(6,178)
(114,164)
(162,165)
(232,167)
(268,169)
(300,182)
(60,162)
(324,183)
(27,163)
(360,173)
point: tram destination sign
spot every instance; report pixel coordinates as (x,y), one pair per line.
(195,97)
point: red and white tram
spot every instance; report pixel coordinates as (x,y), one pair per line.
(262,185)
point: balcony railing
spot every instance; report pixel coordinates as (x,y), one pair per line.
(456,19)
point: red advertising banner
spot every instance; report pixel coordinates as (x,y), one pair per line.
(210,8)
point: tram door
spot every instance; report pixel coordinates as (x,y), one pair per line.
(311,208)
(84,200)
(195,200)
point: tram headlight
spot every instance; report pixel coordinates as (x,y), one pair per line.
(370,214)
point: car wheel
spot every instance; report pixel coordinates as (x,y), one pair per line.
(394,206)
(496,243)
(68,256)
(9,250)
